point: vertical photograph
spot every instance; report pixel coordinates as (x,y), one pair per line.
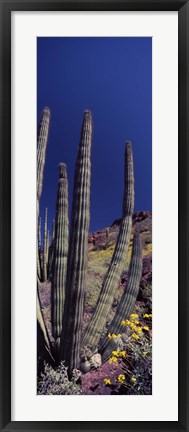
(94,216)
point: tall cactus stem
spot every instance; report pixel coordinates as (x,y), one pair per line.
(53,230)
(78,249)
(42,138)
(45,247)
(128,299)
(93,333)
(59,265)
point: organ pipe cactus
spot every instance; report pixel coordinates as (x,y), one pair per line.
(53,230)
(78,248)
(59,265)
(39,249)
(128,299)
(98,321)
(45,246)
(42,138)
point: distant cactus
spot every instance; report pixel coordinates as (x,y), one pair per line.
(78,248)
(59,265)
(128,298)
(107,233)
(93,333)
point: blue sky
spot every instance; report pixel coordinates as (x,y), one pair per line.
(113,78)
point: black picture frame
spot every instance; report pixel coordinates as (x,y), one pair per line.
(182,6)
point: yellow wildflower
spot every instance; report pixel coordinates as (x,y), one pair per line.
(109,336)
(146,316)
(121,378)
(146,328)
(107,381)
(145,352)
(122,354)
(136,322)
(127,322)
(115,353)
(135,336)
(133,316)
(123,323)
(113,360)
(132,326)
(139,330)
(133,379)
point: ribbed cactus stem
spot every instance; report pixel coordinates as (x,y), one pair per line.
(39,234)
(45,247)
(93,333)
(128,299)
(53,230)
(41,322)
(59,265)
(48,242)
(39,249)
(42,138)
(78,249)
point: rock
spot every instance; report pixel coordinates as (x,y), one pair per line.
(95,361)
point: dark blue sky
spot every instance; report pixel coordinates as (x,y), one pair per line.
(113,78)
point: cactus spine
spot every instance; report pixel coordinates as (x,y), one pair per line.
(128,299)
(78,248)
(45,242)
(97,323)
(59,265)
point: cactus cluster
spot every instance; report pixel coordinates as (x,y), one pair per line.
(65,262)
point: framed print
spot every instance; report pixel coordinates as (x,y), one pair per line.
(94,215)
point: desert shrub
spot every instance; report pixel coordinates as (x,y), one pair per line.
(56,382)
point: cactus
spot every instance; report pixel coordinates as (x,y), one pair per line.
(51,249)
(42,138)
(93,333)
(53,230)
(39,249)
(42,323)
(39,233)
(45,248)
(78,248)
(128,299)
(59,265)
(112,345)
(107,233)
